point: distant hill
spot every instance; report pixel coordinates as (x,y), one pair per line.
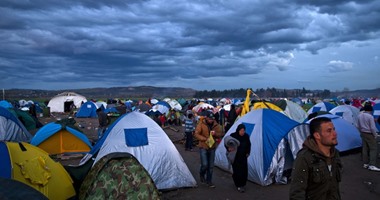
(360,93)
(147,92)
(105,93)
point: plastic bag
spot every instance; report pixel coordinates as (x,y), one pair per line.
(210,141)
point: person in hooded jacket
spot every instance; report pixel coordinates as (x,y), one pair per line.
(206,127)
(316,172)
(240,163)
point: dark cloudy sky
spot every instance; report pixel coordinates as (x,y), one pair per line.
(199,44)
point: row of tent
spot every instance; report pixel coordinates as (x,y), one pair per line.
(275,138)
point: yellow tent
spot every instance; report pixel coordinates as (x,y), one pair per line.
(33,166)
(57,139)
(262,104)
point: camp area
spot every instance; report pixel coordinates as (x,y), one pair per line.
(142,158)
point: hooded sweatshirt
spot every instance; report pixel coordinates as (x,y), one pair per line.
(314,175)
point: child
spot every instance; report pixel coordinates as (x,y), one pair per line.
(189,130)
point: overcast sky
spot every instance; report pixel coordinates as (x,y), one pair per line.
(199,44)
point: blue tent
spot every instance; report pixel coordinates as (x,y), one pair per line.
(274,142)
(5,104)
(322,106)
(87,110)
(376,114)
(11,128)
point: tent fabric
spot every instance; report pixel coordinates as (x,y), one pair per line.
(56,139)
(263,104)
(12,189)
(347,112)
(5,104)
(348,135)
(160,157)
(87,110)
(25,118)
(376,114)
(162,106)
(118,176)
(268,130)
(11,129)
(321,106)
(292,110)
(33,166)
(57,103)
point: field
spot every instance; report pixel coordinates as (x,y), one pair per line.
(357,183)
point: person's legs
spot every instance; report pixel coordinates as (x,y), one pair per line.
(204,164)
(210,167)
(189,140)
(372,146)
(364,148)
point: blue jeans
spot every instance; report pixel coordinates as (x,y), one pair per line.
(207,163)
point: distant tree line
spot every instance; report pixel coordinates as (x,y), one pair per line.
(264,93)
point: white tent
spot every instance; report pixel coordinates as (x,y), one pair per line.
(348,112)
(139,135)
(63,101)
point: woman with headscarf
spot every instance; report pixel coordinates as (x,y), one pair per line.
(240,164)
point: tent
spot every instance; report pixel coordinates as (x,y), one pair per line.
(5,104)
(12,189)
(275,140)
(137,134)
(348,112)
(162,106)
(348,135)
(321,106)
(118,176)
(25,118)
(64,101)
(292,110)
(264,104)
(87,110)
(175,105)
(33,166)
(11,128)
(56,138)
(376,114)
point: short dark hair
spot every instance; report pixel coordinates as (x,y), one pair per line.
(315,124)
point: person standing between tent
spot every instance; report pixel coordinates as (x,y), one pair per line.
(103,122)
(189,130)
(231,117)
(368,133)
(240,163)
(317,169)
(206,132)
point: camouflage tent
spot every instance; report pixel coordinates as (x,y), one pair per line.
(118,176)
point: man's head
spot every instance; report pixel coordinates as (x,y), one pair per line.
(210,117)
(322,130)
(368,108)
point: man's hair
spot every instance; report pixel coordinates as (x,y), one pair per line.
(315,124)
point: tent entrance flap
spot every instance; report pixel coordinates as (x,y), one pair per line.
(68,105)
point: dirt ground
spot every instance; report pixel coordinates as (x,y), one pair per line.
(357,183)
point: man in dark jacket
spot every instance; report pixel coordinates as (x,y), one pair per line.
(317,169)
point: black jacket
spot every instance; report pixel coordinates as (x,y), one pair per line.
(311,176)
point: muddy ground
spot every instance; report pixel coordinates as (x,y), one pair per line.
(357,183)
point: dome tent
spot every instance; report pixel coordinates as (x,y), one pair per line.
(64,101)
(137,134)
